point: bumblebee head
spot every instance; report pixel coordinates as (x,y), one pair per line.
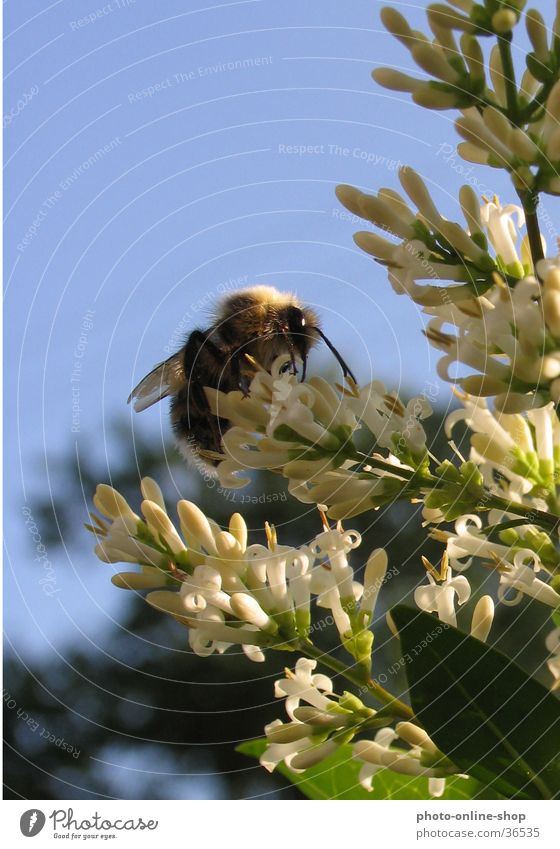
(299,328)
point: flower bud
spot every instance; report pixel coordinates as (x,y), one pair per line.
(395,80)
(551,307)
(474,57)
(483,617)
(111,503)
(168,602)
(553,145)
(349,197)
(249,610)
(536,30)
(415,736)
(312,716)
(442,16)
(287,732)
(433,98)
(496,69)
(497,123)
(310,757)
(374,575)
(138,580)
(151,492)
(471,153)
(374,245)
(523,146)
(397,25)
(238,529)
(159,521)
(196,527)
(434,63)
(503,21)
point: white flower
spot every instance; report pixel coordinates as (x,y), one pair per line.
(522,448)
(521,577)
(332,578)
(468,542)
(438,596)
(394,426)
(507,327)
(503,233)
(301,744)
(305,685)
(508,344)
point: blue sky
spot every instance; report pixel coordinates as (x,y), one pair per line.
(158,154)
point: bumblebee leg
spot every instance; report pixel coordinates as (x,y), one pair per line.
(241,380)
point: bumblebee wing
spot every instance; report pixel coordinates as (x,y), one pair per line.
(165,379)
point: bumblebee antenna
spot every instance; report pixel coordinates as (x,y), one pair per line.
(345,370)
(304,366)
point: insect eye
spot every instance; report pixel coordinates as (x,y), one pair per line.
(296,319)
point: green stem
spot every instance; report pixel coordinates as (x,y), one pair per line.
(376,463)
(362,681)
(529,201)
(527,114)
(549,521)
(504,46)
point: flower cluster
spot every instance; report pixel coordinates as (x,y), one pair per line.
(431,247)
(502,126)
(518,567)
(421,758)
(301,428)
(496,320)
(512,344)
(316,728)
(325,721)
(229,592)
(517,453)
(307,433)
(518,457)
(458,69)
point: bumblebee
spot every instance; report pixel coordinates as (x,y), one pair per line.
(254,325)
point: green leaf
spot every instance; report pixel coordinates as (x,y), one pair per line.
(483,711)
(337,778)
